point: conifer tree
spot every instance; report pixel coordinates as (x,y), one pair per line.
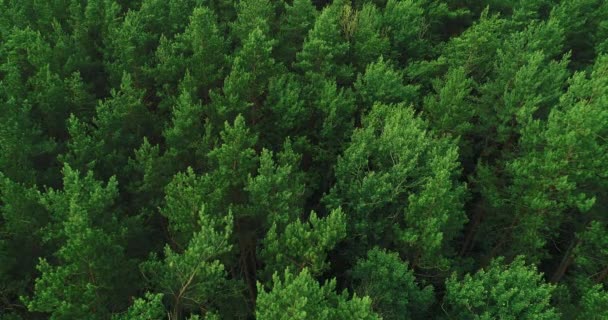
(195,279)
(503,291)
(394,170)
(297,20)
(391,285)
(302,297)
(87,278)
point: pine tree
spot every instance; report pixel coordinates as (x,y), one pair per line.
(21,219)
(391,285)
(302,297)
(300,245)
(500,291)
(88,276)
(148,308)
(192,279)
(394,170)
(325,48)
(252,15)
(381,83)
(119,126)
(245,86)
(368,42)
(199,53)
(297,20)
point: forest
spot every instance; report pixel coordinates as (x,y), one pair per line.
(303,159)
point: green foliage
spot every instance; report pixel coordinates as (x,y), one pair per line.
(194,278)
(383,144)
(325,47)
(393,170)
(303,245)
(593,303)
(381,83)
(391,285)
(295,23)
(148,308)
(118,128)
(84,279)
(179,57)
(302,297)
(252,68)
(501,291)
(252,15)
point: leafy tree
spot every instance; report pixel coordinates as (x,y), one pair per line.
(244,87)
(404,23)
(382,83)
(120,124)
(368,42)
(21,219)
(547,179)
(593,303)
(179,58)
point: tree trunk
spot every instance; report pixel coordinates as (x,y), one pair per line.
(472,232)
(602,276)
(566,262)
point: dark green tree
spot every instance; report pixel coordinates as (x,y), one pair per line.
(392,286)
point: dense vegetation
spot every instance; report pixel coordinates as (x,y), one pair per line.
(298,159)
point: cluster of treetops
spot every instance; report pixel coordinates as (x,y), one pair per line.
(298,159)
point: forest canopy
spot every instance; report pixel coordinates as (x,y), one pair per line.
(303,159)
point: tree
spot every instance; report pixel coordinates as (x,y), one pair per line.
(593,303)
(188,136)
(325,48)
(368,42)
(148,308)
(251,15)
(302,297)
(558,170)
(302,245)
(397,183)
(194,278)
(22,218)
(89,275)
(382,83)
(244,87)
(404,23)
(295,23)
(120,124)
(179,59)
(503,291)
(391,285)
